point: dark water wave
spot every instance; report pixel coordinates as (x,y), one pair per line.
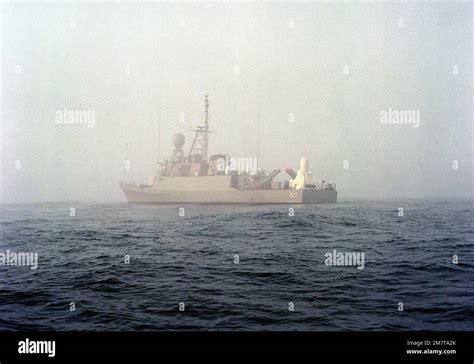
(282,259)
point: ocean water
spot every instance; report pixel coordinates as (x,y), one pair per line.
(192,259)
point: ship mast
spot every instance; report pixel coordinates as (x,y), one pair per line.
(159,137)
(200,144)
(126,163)
(258,134)
(206,127)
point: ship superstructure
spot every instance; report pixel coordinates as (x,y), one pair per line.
(196,177)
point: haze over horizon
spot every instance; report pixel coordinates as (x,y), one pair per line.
(320,75)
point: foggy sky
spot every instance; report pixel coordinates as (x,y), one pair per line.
(333,66)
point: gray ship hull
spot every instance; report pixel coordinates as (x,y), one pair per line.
(215,192)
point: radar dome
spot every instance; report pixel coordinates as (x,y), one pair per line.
(178,140)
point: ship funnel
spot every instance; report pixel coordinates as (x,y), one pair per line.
(178,140)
